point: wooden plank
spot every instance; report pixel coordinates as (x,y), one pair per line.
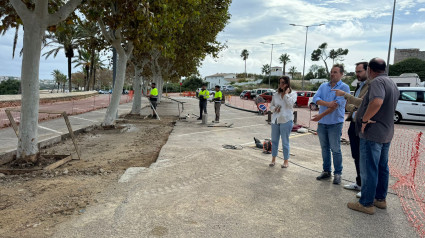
(12,122)
(17,171)
(71,132)
(59,163)
(55,156)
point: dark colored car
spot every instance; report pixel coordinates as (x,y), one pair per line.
(303,97)
(267,96)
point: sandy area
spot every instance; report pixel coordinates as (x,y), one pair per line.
(32,204)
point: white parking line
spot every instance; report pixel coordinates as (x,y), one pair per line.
(45,128)
(83,119)
(231,128)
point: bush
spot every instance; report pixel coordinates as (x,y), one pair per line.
(10,86)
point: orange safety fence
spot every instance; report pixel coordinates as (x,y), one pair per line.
(406,163)
(72,107)
(188,94)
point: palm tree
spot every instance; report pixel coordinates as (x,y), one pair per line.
(92,41)
(90,63)
(244,56)
(64,38)
(265,69)
(292,71)
(284,59)
(59,78)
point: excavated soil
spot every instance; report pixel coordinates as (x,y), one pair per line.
(32,204)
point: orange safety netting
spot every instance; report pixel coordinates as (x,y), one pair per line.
(72,107)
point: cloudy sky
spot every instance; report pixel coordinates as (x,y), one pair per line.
(361,26)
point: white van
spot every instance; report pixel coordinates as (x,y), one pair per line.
(411,104)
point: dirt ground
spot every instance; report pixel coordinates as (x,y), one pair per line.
(32,204)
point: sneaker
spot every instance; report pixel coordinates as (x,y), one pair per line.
(359,195)
(199,118)
(353,186)
(382,204)
(324,175)
(337,179)
(356,206)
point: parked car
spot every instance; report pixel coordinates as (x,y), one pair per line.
(243,93)
(103,92)
(258,91)
(229,88)
(247,95)
(267,96)
(303,98)
(411,104)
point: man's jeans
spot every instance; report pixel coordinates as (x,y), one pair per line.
(281,130)
(373,170)
(330,140)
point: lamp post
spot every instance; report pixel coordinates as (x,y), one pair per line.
(271,57)
(305,47)
(391,37)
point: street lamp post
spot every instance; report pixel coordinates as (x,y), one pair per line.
(271,57)
(305,47)
(391,37)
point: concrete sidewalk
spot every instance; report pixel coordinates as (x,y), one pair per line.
(198,189)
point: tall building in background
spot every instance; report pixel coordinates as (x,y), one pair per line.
(402,54)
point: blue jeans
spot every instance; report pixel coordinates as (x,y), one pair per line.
(330,140)
(281,130)
(373,171)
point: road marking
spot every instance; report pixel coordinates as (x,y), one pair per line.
(83,119)
(239,118)
(200,132)
(45,128)
(305,134)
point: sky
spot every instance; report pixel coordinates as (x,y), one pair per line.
(361,26)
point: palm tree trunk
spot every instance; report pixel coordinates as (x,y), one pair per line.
(92,58)
(69,74)
(94,78)
(246,76)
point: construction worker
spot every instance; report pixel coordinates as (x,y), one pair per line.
(218,96)
(153,97)
(203,95)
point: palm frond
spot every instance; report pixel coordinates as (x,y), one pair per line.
(15,41)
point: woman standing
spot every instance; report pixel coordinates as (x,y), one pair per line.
(282,119)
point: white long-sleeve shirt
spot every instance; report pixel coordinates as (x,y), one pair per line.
(286,107)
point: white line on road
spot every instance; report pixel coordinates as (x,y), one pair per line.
(232,128)
(239,118)
(45,128)
(83,119)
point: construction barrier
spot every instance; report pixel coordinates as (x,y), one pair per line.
(406,162)
(72,107)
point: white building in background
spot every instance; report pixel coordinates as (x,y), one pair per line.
(4,78)
(314,81)
(220,79)
(277,71)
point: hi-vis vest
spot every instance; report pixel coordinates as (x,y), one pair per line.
(154,93)
(203,95)
(218,95)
